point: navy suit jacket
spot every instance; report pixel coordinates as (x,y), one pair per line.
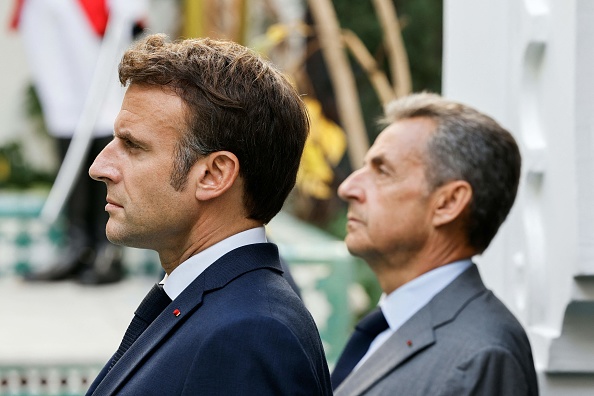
(241,330)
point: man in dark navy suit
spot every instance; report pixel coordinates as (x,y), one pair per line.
(206,149)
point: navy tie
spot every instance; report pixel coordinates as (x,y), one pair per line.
(153,304)
(365,332)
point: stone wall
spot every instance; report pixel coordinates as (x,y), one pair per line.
(530,64)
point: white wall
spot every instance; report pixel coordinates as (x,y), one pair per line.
(530,65)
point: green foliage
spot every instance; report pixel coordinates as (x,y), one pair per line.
(359,16)
(16,173)
(422,30)
(421,22)
(33,109)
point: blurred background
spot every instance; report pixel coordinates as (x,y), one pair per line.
(377,69)
(347,59)
(528,63)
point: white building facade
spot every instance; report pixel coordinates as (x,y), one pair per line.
(530,65)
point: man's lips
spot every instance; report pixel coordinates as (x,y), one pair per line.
(353,219)
(111,204)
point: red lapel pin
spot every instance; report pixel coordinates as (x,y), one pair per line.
(409,343)
(176,312)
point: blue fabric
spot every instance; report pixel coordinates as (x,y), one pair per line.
(241,330)
(365,332)
(153,304)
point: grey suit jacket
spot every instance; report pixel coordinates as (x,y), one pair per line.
(463,342)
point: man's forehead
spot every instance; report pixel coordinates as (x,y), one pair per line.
(402,138)
(408,130)
(413,124)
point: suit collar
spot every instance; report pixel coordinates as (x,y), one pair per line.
(400,305)
(416,334)
(224,270)
(186,272)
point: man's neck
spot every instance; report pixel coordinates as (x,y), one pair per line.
(202,238)
(395,272)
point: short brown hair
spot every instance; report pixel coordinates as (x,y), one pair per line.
(235,101)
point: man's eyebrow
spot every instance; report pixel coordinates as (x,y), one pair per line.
(130,138)
(126,135)
(378,159)
(123,135)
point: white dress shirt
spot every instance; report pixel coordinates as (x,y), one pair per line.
(186,272)
(400,305)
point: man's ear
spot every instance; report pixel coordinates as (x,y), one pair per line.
(451,200)
(217,173)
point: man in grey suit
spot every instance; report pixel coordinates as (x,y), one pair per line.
(435,187)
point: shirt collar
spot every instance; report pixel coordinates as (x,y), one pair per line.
(408,299)
(186,272)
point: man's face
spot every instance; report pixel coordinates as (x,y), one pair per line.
(389,200)
(145,211)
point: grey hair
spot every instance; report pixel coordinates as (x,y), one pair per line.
(467,145)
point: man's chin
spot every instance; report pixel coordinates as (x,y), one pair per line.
(115,241)
(352,246)
(129,240)
(116,236)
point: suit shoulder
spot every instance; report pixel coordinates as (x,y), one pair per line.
(260,304)
(484,327)
(491,318)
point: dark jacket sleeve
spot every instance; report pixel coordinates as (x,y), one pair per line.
(257,356)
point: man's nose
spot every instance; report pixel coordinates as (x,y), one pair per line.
(103,169)
(349,189)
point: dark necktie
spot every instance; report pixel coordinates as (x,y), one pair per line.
(153,304)
(365,332)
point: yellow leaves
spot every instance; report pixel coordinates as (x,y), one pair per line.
(274,36)
(5,169)
(323,150)
(277,33)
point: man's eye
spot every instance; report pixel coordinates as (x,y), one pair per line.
(130,144)
(382,170)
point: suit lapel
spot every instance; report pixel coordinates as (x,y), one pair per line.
(216,276)
(416,335)
(391,354)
